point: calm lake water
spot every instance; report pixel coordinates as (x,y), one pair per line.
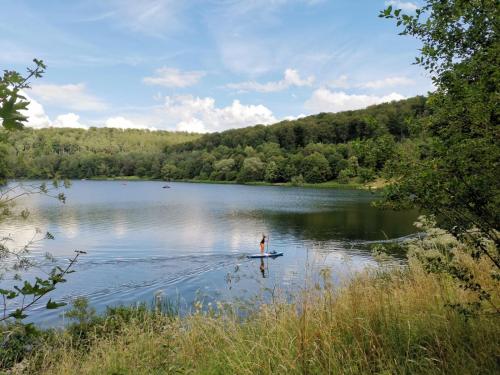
(191,241)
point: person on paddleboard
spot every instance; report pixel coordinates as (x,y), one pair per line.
(263,244)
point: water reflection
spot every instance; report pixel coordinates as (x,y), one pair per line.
(141,238)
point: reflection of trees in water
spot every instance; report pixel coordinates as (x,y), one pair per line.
(359,222)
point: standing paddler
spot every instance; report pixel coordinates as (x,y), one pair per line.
(263,244)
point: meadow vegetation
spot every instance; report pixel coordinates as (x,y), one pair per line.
(391,320)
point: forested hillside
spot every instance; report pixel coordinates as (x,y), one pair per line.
(343,146)
(81,153)
(347,146)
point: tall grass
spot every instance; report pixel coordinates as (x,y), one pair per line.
(381,322)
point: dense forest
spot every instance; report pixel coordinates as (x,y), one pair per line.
(81,153)
(353,146)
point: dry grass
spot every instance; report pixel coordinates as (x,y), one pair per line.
(392,322)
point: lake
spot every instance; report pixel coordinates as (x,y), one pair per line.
(191,240)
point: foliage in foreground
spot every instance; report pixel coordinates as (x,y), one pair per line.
(457,182)
(22,293)
(392,321)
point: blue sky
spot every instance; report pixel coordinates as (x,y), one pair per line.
(206,65)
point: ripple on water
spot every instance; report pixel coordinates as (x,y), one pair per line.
(141,238)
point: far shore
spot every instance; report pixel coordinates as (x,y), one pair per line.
(372,185)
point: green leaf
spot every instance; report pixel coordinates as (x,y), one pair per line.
(9,294)
(51,305)
(18,314)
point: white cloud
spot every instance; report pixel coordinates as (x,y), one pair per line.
(181,112)
(192,126)
(194,114)
(324,100)
(171,77)
(72,96)
(291,118)
(404,5)
(388,82)
(37,118)
(291,78)
(68,120)
(121,122)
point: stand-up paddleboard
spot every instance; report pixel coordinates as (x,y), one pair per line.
(265,255)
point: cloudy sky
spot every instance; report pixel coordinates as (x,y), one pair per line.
(205,65)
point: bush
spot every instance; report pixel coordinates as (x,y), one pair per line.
(315,168)
(297,180)
(365,174)
(345,176)
(272,172)
(169,171)
(252,170)
(223,169)
(16,342)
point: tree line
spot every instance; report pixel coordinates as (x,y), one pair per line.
(348,146)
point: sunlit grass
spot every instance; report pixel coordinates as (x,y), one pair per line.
(381,322)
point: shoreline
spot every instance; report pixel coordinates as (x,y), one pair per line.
(373,185)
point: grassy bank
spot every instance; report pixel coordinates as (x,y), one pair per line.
(323,185)
(381,322)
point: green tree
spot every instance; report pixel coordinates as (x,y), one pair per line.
(456,179)
(272,172)
(252,170)
(169,171)
(223,169)
(12,102)
(315,168)
(270,149)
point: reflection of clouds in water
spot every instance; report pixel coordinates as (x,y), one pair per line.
(194,228)
(189,237)
(246,235)
(235,240)
(120,224)
(70,225)
(210,230)
(22,233)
